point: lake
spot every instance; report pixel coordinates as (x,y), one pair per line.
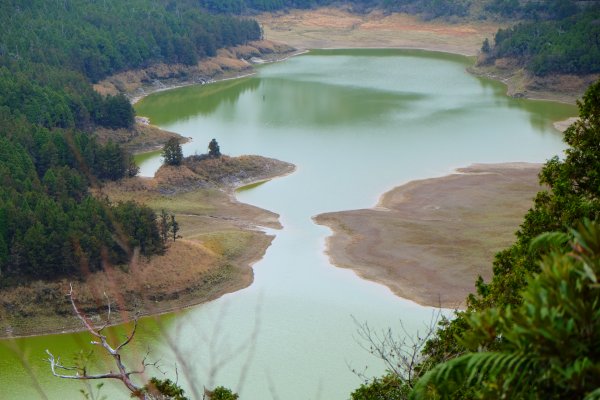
(356,123)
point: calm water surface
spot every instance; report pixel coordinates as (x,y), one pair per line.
(356,123)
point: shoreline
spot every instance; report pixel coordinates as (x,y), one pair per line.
(338,28)
(149,91)
(428,240)
(206,274)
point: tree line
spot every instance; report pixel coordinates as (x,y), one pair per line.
(99,38)
(50,52)
(50,224)
(567,42)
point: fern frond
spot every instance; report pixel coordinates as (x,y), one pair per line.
(474,369)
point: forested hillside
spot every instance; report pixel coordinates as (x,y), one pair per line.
(567,42)
(50,53)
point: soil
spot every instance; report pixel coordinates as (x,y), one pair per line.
(564,88)
(228,63)
(429,240)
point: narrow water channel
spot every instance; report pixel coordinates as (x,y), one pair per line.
(356,123)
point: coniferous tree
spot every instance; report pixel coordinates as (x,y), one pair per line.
(164,225)
(213,149)
(172,153)
(174,226)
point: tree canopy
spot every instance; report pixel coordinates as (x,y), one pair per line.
(172,153)
(567,41)
(213,149)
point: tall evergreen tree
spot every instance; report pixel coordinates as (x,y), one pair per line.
(172,153)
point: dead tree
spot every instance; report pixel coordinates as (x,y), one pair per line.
(402,354)
(122,373)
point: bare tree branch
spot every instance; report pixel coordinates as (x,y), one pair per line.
(80,372)
(402,354)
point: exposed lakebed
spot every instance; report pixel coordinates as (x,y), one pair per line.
(355,123)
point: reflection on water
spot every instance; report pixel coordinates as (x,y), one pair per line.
(190,100)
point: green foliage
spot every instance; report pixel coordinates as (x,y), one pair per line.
(548,347)
(164,389)
(535,10)
(50,225)
(388,387)
(568,42)
(53,97)
(213,149)
(426,8)
(49,53)
(485,47)
(222,393)
(100,38)
(172,153)
(174,228)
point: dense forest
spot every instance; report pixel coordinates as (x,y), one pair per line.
(50,53)
(566,41)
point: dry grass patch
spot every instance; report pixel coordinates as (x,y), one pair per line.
(228,63)
(340,28)
(141,138)
(521,83)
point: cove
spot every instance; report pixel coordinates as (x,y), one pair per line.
(356,123)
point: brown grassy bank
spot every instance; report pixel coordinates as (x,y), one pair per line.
(221,239)
(564,88)
(340,28)
(429,240)
(142,138)
(228,63)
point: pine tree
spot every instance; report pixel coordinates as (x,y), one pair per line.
(172,153)
(174,225)
(214,149)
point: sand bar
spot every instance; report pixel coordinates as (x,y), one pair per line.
(429,240)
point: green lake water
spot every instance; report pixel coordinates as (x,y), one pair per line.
(356,123)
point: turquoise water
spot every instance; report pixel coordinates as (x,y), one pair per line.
(356,123)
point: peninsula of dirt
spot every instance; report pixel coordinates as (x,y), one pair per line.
(429,240)
(220,240)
